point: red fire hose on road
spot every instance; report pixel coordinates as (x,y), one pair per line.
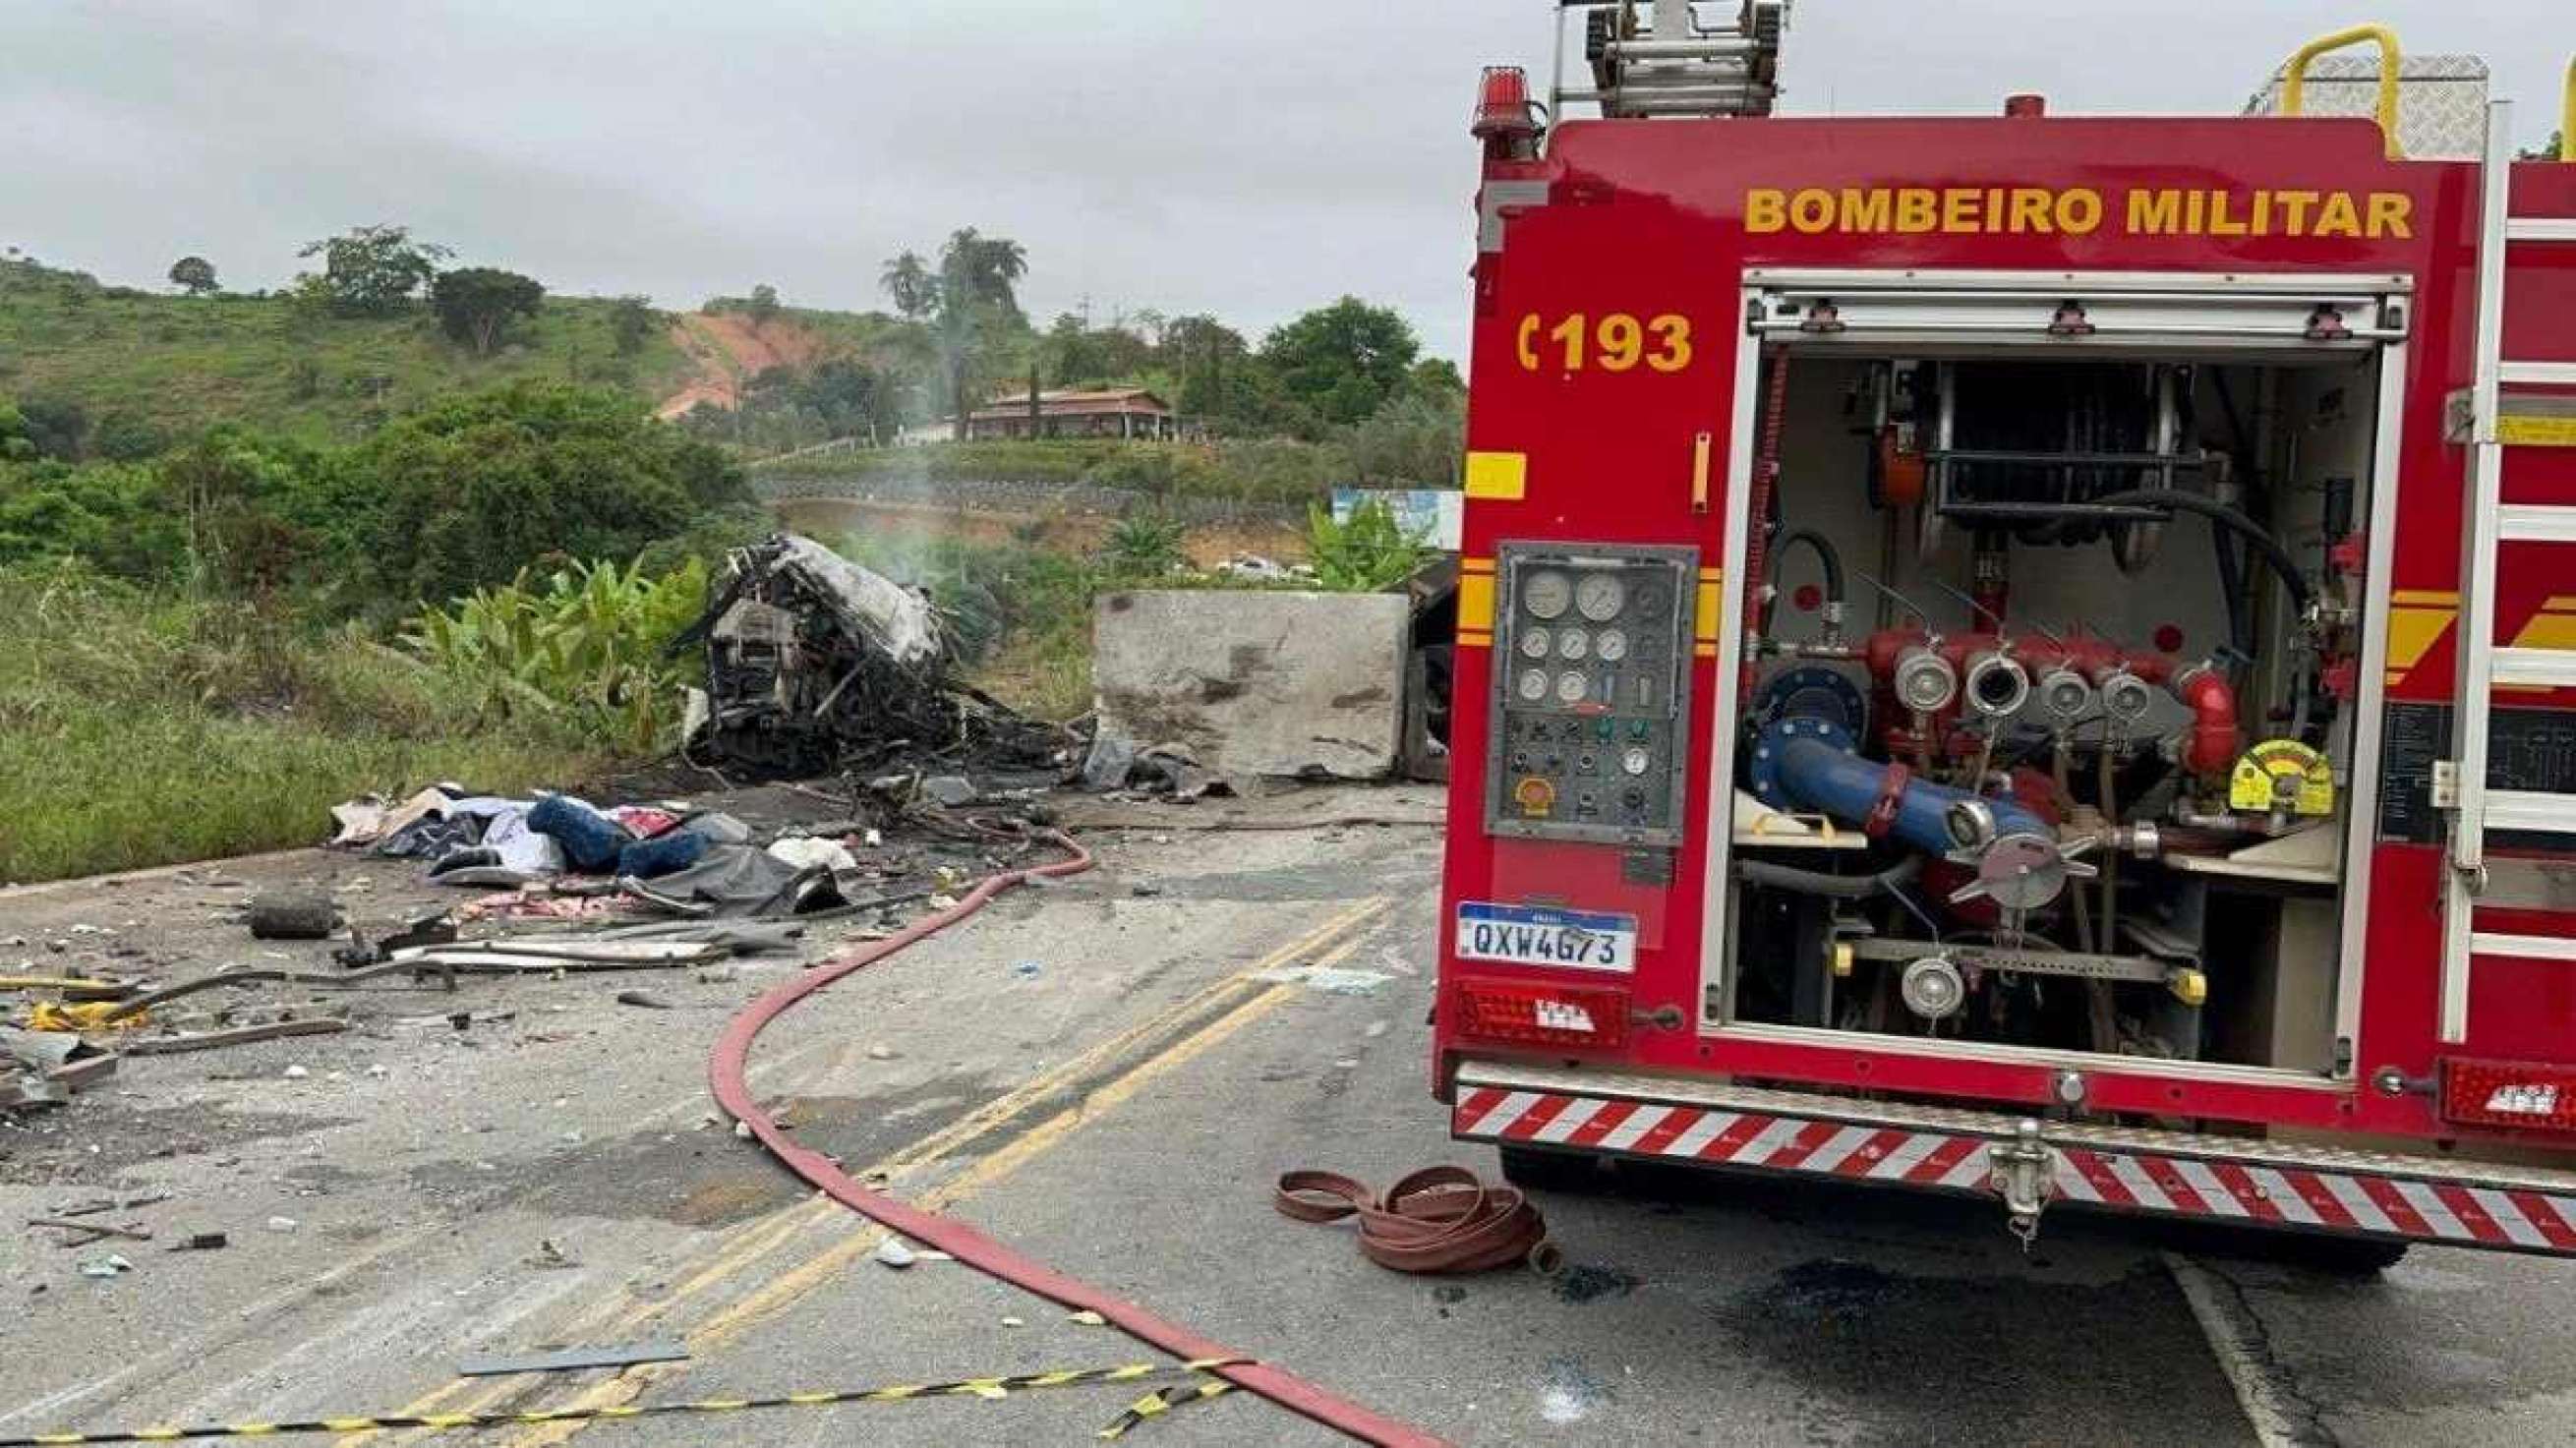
(725,1075)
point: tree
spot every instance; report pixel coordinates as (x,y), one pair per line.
(2550,151)
(476,304)
(633,319)
(1436,378)
(472,488)
(193,274)
(975,297)
(1078,355)
(1415,438)
(763,304)
(374,270)
(908,282)
(1343,361)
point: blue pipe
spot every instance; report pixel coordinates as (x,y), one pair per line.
(1812,767)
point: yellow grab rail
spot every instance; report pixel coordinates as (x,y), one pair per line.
(2295,87)
(2567,116)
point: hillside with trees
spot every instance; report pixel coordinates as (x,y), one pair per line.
(122,373)
(419,516)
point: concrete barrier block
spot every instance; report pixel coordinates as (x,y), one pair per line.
(1255,683)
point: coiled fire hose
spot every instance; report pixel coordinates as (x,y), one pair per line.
(1439,1219)
(725,1075)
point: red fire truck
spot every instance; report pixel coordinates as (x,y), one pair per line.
(2020,656)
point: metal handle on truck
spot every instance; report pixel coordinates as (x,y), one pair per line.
(2295,85)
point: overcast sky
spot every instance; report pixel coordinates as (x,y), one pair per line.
(1250,159)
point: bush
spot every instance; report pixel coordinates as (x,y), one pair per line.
(471,490)
(1146,546)
(1364,555)
(583,644)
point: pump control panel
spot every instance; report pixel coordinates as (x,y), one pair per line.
(1592,650)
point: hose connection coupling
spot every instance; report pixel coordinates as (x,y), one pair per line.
(2127,698)
(1997,684)
(1924,681)
(2066,694)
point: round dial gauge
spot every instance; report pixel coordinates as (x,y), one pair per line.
(1636,760)
(1533,685)
(1546,594)
(1571,687)
(1610,645)
(1573,643)
(1536,643)
(1600,596)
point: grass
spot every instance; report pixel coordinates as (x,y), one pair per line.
(181,364)
(138,730)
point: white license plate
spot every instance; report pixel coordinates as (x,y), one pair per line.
(1522,935)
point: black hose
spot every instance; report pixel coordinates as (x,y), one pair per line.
(2231,588)
(1832,887)
(2267,546)
(1826,558)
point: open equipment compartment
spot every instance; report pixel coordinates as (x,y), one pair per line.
(2058,728)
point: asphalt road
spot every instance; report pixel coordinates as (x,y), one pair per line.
(1110,1079)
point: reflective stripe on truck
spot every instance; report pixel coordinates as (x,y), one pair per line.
(2296,1186)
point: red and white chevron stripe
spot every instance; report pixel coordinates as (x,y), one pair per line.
(2251,1192)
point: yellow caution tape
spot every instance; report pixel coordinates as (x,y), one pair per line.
(1157,1403)
(993,1387)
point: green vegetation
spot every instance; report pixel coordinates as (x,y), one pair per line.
(582,649)
(1146,545)
(1364,555)
(463,493)
(199,663)
(137,728)
(119,363)
(403,521)
(475,305)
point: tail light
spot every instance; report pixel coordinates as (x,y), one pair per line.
(1543,1014)
(2506,1093)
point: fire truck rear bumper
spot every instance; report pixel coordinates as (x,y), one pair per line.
(2280,1185)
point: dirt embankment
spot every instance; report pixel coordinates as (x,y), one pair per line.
(727,350)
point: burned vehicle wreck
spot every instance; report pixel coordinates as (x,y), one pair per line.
(816,665)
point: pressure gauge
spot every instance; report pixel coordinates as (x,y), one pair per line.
(1533,685)
(1600,596)
(1546,594)
(1610,645)
(1571,686)
(1536,643)
(1573,643)
(1636,760)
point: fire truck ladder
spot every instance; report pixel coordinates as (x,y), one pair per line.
(1656,58)
(2490,523)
